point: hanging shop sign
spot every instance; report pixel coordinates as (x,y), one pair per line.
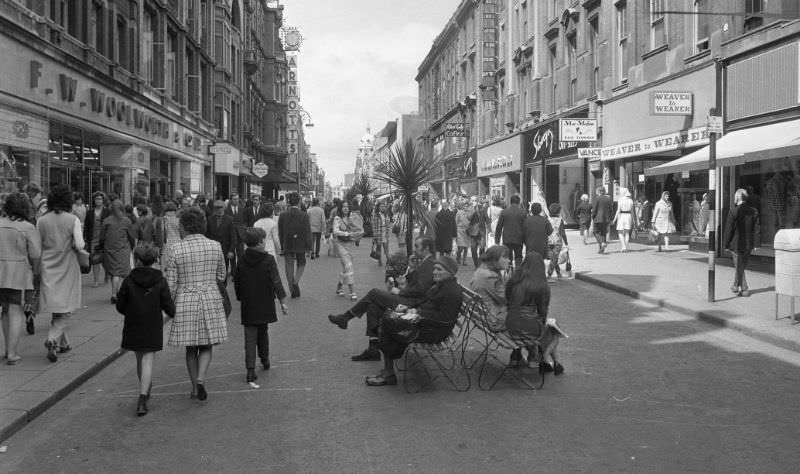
(545,142)
(227,159)
(456,129)
(578,129)
(671,103)
(669,142)
(260,169)
(500,157)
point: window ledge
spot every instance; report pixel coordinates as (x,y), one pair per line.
(655,51)
(697,56)
(621,87)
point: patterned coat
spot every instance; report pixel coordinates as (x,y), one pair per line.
(193,267)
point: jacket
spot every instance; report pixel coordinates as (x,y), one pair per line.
(741,228)
(445,230)
(257,284)
(439,311)
(510,225)
(537,229)
(20,253)
(294,229)
(223,232)
(142,297)
(90,222)
(602,209)
(316,218)
(420,280)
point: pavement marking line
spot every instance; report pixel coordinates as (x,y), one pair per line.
(246,390)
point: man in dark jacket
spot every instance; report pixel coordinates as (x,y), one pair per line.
(377,301)
(740,237)
(510,226)
(251,213)
(235,209)
(537,229)
(220,228)
(445,230)
(257,285)
(294,230)
(602,213)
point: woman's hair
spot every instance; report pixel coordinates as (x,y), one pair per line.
(17,206)
(528,283)
(59,199)
(555,209)
(117,208)
(536,208)
(193,221)
(623,192)
(266,210)
(340,209)
(170,206)
(584,197)
(493,254)
(665,193)
(76,196)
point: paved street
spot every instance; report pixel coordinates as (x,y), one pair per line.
(646,390)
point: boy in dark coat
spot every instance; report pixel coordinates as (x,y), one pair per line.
(141,298)
(257,284)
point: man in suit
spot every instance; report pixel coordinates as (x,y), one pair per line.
(602,213)
(511,226)
(740,238)
(294,230)
(428,226)
(220,228)
(445,229)
(251,213)
(236,211)
(377,301)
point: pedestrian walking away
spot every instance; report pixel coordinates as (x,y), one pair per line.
(142,297)
(510,226)
(294,229)
(316,217)
(60,275)
(537,231)
(584,214)
(195,267)
(556,240)
(602,211)
(117,239)
(740,237)
(257,285)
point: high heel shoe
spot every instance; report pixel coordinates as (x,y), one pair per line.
(201,392)
(141,407)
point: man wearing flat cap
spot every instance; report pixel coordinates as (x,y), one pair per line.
(220,228)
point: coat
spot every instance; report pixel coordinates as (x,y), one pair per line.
(294,229)
(603,209)
(419,280)
(257,285)
(741,228)
(61,275)
(537,230)
(193,267)
(510,225)
(20,251)
(316,217)
(143,295)
(445,230)
(90,223)
(223,231)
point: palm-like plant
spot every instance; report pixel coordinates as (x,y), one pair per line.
(406,170)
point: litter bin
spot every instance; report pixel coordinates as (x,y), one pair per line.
(787,267)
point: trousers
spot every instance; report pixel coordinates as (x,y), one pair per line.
(374,304)
(256,340)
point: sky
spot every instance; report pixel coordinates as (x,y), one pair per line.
(356,67)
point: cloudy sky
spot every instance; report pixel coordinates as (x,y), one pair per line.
(357,66)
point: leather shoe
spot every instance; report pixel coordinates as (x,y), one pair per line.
(251,375)
(545,367)
(369,354)
(339,320)
(380,380)
(52,348)
(558,369)
(745,293)
(141,407)
(201,392)
(265,365)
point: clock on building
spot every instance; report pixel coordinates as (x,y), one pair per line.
(292,39)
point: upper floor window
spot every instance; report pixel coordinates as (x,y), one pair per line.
(752,14)
(594,47)
(701,25)
(622,42)
(658,26)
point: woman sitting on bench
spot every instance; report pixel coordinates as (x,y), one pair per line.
(489,282)
(528,302)
(438,313)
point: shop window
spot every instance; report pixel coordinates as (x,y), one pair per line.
(701,25)
(658,24)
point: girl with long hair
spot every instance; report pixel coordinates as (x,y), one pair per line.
(490,283)
(345,232)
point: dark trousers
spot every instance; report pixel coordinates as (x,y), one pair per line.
(516,252)
(374,304)
(256,339)
(317,238)
(740,260)
(600,231)
(476,252)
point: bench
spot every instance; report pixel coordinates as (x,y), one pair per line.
(447,355)
(490,343)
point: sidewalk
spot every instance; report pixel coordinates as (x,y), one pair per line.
(678,280)
(35,384)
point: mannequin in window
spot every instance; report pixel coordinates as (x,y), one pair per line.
(574,200)
(773,205)
(793,203)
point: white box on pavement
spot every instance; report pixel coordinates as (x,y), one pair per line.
(787,262)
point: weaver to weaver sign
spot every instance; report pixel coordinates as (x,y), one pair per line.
(672,103)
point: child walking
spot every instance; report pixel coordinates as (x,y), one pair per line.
(257,285)
(141,298)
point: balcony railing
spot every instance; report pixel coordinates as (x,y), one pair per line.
(250,62)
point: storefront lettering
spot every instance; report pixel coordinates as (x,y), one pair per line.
(543,140)
(67,86)
(499,162)
(673,141)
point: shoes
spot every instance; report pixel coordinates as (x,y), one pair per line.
(13,360)
(141,407)
(515,360)
(63,349)
(52,347)
(251,375)
(380,380)
(735,290)
(113,300)
(339,320)
(201,392)
(370,354)
(30,328)
(745,293)
(558,369)
(265,365)
(545,367)
(353,297)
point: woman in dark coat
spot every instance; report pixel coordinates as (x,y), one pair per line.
(141,298)
(437,314)
(92,228)
(537,228)
(117,240)
(257,284)
(446,230)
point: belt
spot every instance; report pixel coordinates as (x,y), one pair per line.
(624,212)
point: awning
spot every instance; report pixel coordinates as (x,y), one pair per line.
(741,146)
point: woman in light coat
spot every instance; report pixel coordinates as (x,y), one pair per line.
(625,218)
(266,221)
(663,220)
(61,276)
(194,267)
(345,231)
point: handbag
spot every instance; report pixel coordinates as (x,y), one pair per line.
(83,261)
(226,300)
(399,329)
(375,253)
(652,236)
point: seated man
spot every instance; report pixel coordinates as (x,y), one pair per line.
(438,313)
(377,301)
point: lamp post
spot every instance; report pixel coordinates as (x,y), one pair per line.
(301,149)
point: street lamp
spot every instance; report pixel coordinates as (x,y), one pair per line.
(305,119)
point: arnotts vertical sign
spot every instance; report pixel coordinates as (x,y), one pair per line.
(293,101)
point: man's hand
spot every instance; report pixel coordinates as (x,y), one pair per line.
(395,291)
(284,308)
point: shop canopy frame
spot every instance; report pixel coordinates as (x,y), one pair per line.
(765,142)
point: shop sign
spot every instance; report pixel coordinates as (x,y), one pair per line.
(260,169)
(125,156)
(227,159)
(669,142)
(715,124)
(590,153)
(456,129)
(578,129)
(23,131)
(671,103)
(500,157)
(545,142)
